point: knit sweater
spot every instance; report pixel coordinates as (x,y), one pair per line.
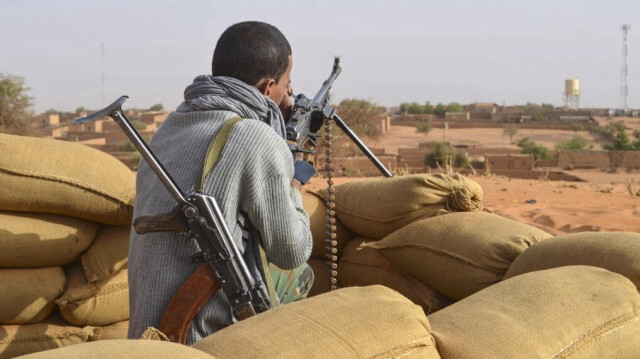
(253,174)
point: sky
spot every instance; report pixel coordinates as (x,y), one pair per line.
(87,53)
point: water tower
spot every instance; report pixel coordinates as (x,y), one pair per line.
(572,93)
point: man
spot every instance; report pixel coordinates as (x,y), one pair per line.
(253,176)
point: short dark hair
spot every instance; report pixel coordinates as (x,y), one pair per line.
(250,51)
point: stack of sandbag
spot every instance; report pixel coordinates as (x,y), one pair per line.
(375,209)
(563,312)
(62,206)
(358,322)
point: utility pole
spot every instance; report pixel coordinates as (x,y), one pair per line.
(624,84)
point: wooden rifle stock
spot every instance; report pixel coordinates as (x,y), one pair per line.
(187,302)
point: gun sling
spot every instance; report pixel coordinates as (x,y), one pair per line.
(202,285)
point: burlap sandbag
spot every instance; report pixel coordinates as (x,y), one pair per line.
(568,312)
(321,276)
(42,240)
(374,208)
(365,266)
(52,176)
(54,333)
(458,253)
(96,304)
(107,254)
(122,349)
(118,330)
(616,251)
(316,208)
(27,295)
(358,322)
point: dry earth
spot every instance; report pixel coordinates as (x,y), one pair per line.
(603,202)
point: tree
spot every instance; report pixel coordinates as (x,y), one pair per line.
(440,155)
(362,116)
(454,107)
(575,126)
(538,117)
(510,130)
(424,128)
(157,107)
(621,142)
(439,110)
(539,152)
(15,105)
(415,108)
(576,143)
(80,110)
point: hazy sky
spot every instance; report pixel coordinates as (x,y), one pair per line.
(502,51)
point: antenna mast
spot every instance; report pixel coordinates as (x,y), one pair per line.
(624,86)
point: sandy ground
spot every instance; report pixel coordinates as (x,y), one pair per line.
(603,202)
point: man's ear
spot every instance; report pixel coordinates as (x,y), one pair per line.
(265,86)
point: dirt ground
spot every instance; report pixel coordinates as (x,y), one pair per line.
(603,202)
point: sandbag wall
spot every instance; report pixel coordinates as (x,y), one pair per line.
(65,214)
(368,211)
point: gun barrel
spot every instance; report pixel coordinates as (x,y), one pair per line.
(326,86)
(343,126)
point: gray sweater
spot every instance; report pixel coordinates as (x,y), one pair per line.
(253,175)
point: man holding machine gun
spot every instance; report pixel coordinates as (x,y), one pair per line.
(254,180)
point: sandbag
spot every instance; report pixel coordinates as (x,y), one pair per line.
(107,254)
(458,253)
(123,349)
(374,208)
(118,330)
(27,295)
(42,240)
(567,312)
(97,304)
(322,276)
(365,266)
(616,251)
(316,209)
(18,340)
(357,322)
(53,176)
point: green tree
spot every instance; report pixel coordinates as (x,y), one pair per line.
(139,125)
(424,128)
(439,110)
(157,107)
(415,108)
(428,108)
(538,117)
(454,107)
(440,155)
(575,143)
(362,116)
(575,126)
(539,152)
(15,105)
(621,142)
(80,110)
(510,130)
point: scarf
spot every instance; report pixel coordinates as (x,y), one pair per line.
(208,93)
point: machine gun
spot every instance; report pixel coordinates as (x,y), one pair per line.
(198,215)
(308,115)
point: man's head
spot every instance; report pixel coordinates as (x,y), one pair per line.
(257,54)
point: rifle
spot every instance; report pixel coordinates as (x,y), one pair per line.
(308,115)
(198,215)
